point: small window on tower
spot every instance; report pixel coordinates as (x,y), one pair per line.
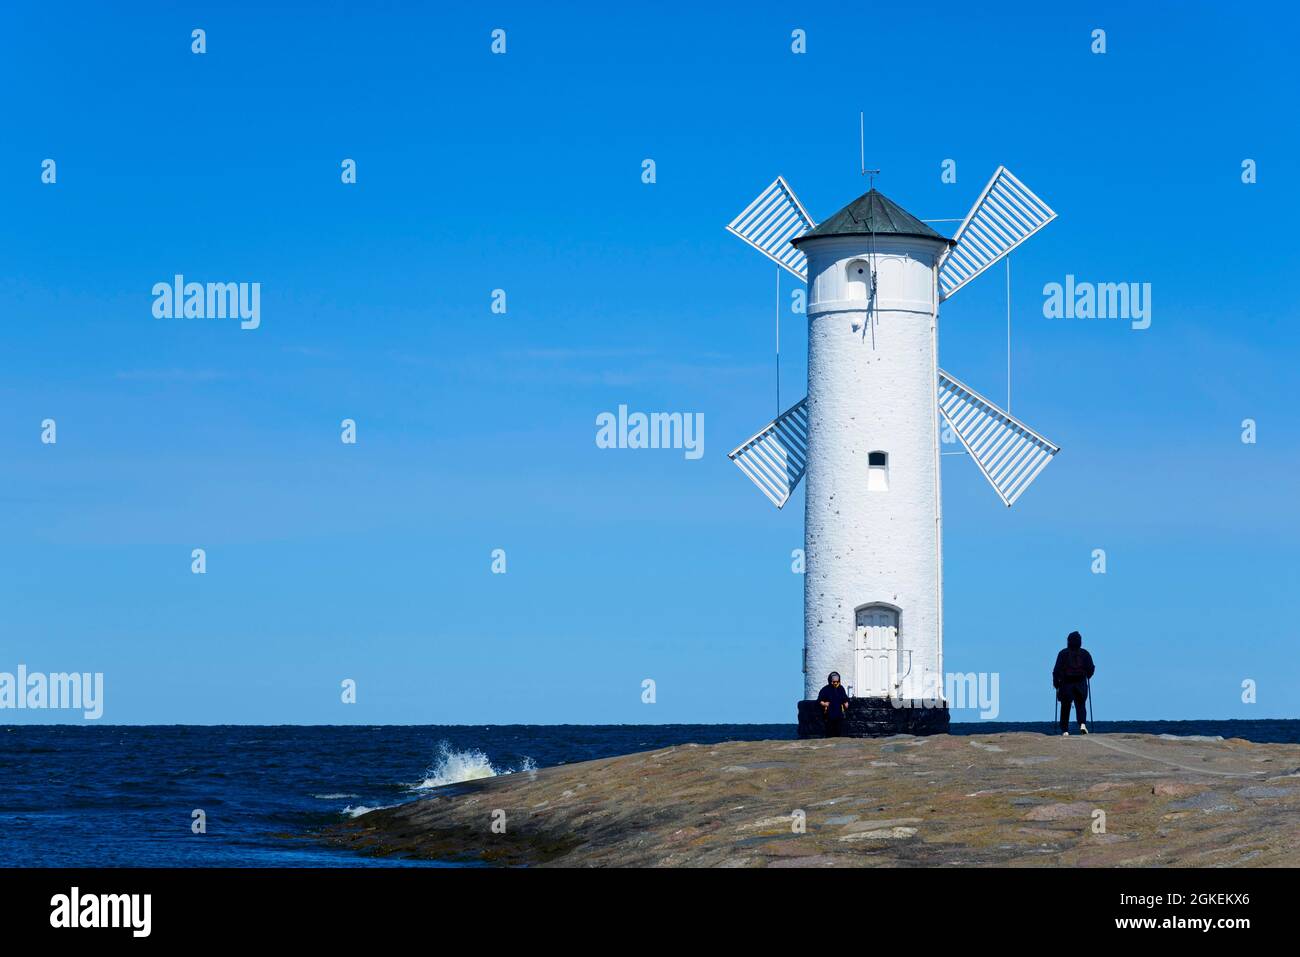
(858,277)
(877,472)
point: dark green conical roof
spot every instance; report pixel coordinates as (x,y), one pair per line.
(872,212)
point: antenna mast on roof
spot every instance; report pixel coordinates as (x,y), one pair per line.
(862,150)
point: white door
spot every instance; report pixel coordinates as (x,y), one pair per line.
(876,650)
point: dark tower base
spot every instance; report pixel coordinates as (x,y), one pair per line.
(874,718)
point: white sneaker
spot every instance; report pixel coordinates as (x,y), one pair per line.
(1083,729)
(1065,734)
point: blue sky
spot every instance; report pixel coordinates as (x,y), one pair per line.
(476,430)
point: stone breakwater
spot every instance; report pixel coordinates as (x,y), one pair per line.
(1015,799)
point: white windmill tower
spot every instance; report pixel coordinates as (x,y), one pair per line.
(867,436)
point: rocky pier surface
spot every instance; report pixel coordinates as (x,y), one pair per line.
(1017,799)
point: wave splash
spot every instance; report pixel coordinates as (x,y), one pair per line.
(454,767)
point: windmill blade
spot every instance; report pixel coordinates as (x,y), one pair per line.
(775,458)
(1006,214)
(771,221)
(1008,452)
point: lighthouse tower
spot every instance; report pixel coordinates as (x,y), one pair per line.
(872,529)
(867,437)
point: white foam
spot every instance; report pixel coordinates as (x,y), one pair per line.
(455,767)
(351,811)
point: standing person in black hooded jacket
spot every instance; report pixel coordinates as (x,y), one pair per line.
(835,704)
(1070,679)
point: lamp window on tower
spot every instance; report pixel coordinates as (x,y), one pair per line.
(877,472)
